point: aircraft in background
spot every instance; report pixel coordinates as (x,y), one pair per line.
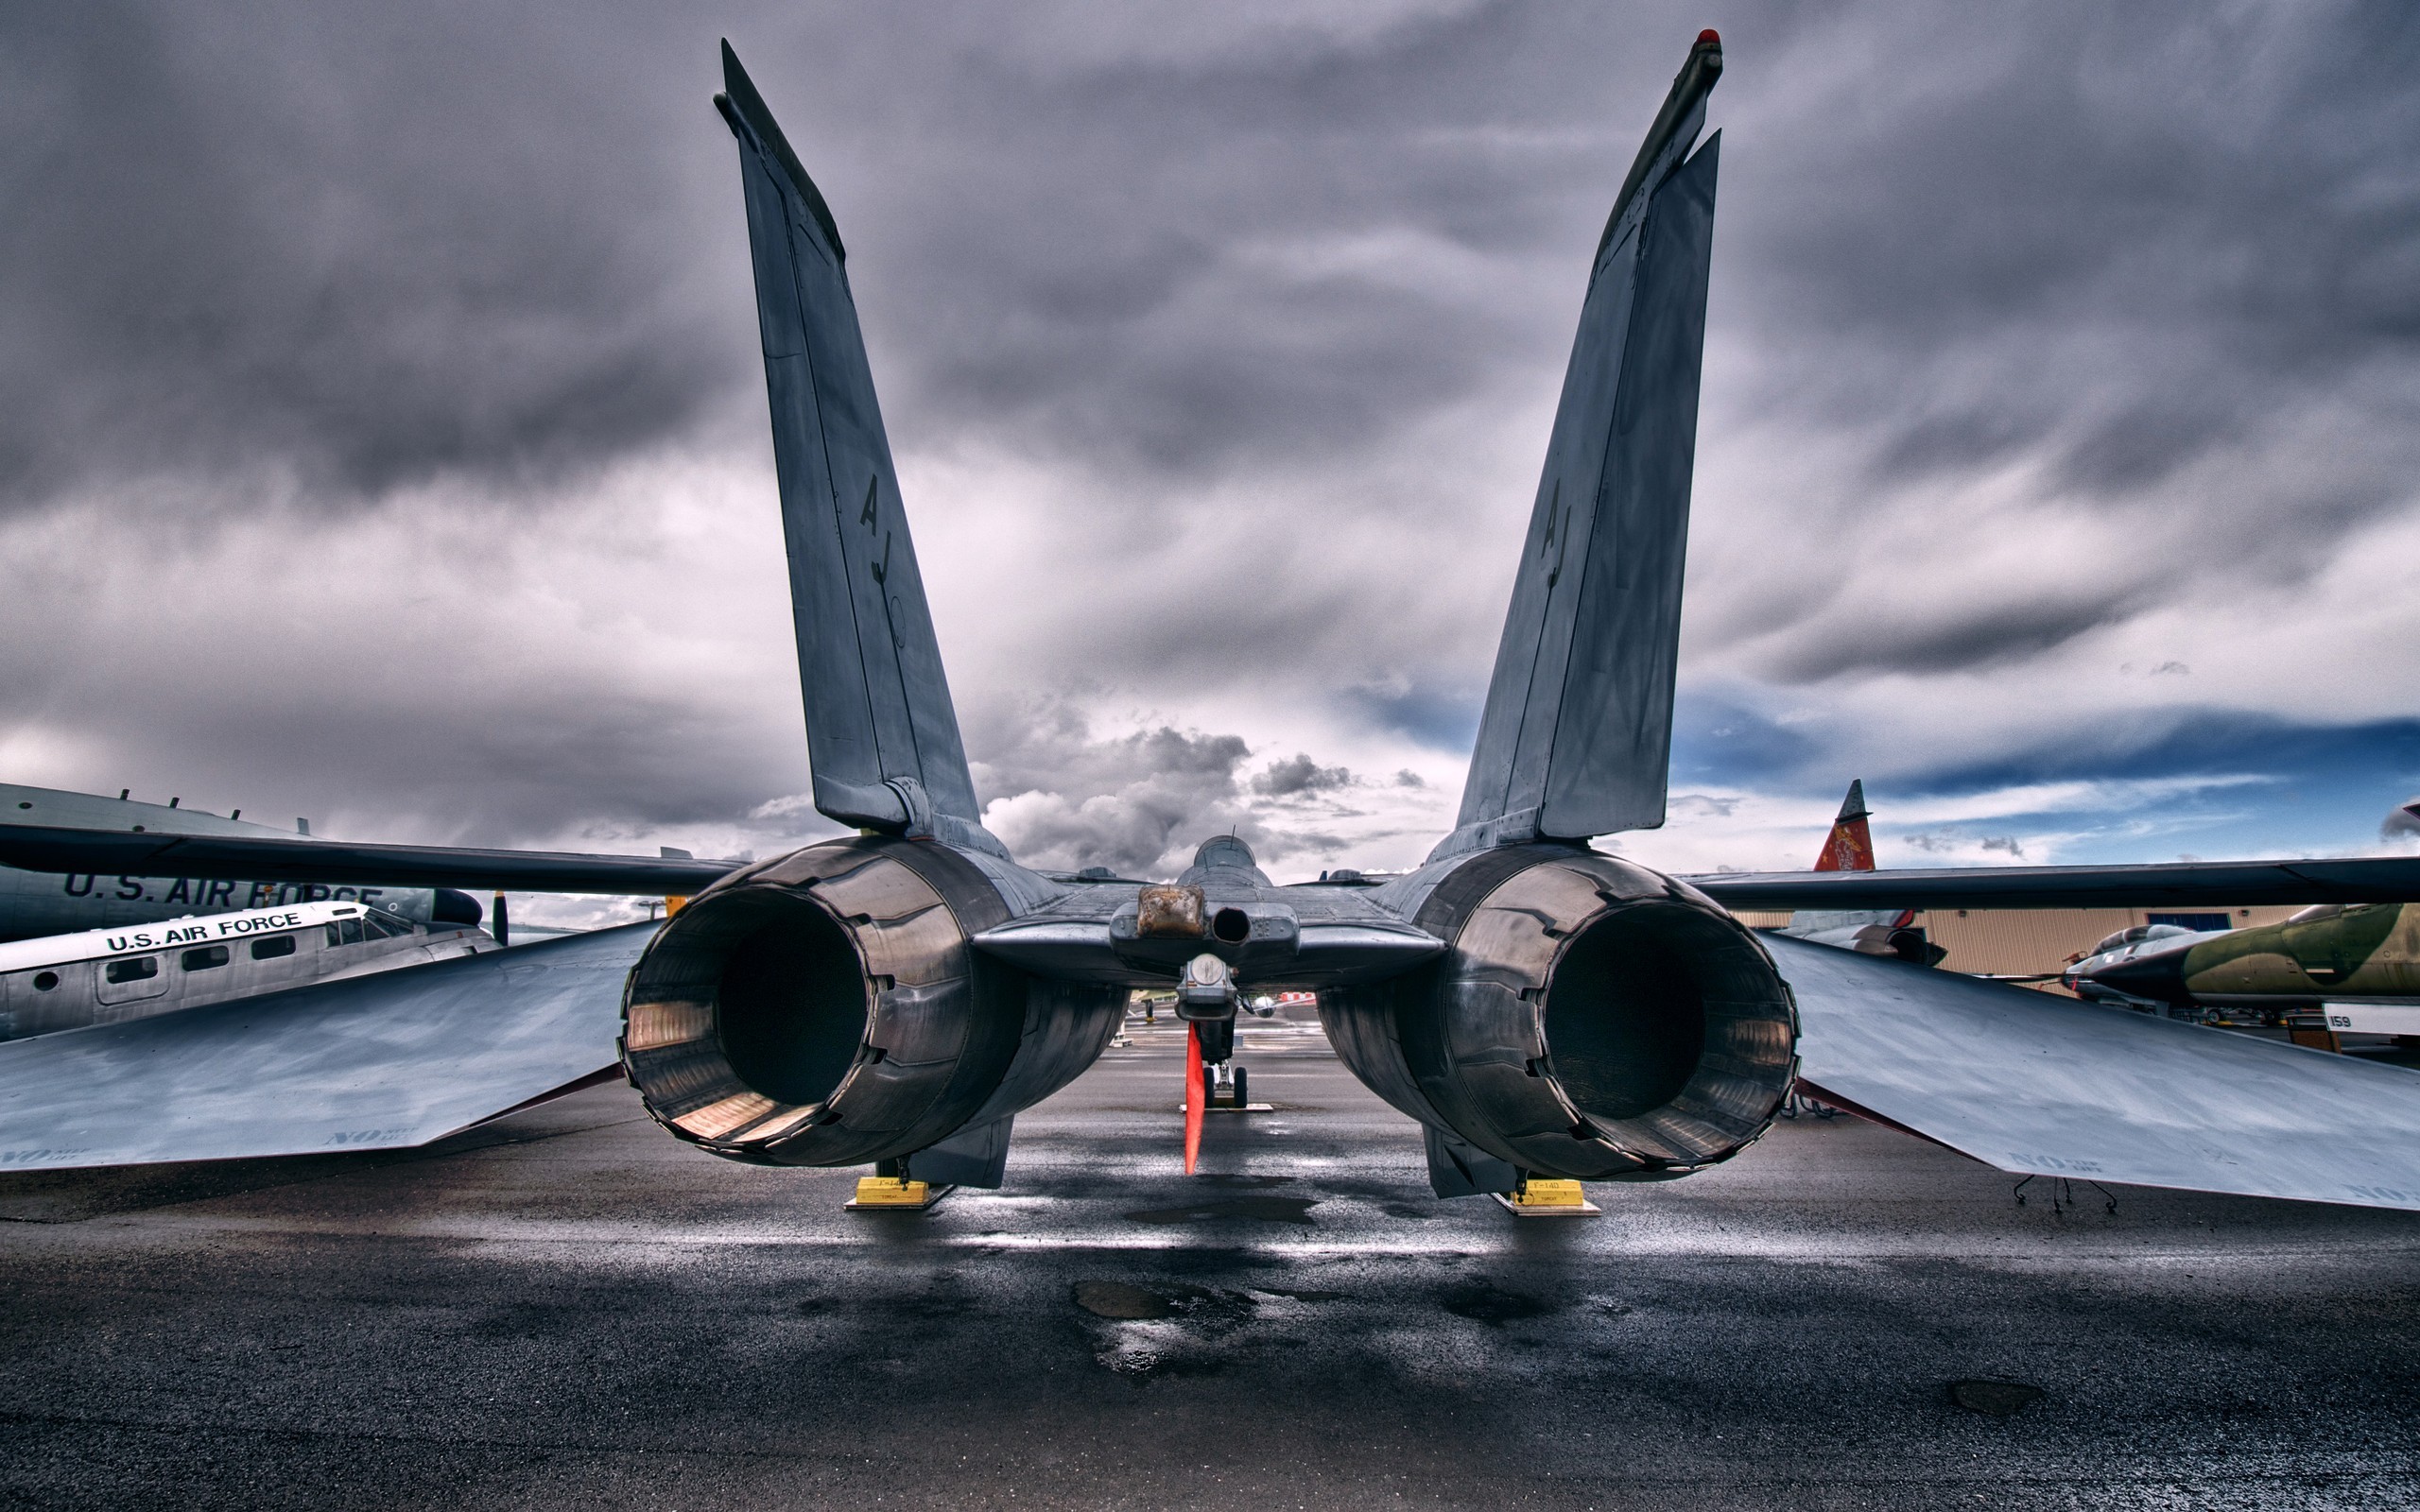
(1867,930)
(1546,1013)
(34,904)
(114,975)
(2359,964)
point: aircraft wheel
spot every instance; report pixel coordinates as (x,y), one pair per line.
(1241,1098)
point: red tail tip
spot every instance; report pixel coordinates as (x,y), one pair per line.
(1709,35)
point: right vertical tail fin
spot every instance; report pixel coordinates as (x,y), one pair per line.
(1576,738)
(881,731)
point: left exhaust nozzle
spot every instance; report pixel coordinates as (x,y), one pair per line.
(825,1008)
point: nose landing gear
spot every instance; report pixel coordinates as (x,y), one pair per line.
(1227,1077)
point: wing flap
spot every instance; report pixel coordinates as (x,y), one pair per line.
(2047,1086)
(377,1062)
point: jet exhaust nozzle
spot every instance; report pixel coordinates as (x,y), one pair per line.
(826,1010)
(1592,1020)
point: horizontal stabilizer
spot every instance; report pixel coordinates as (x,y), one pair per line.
(2179,883)
(277,858)
(1328,954)
(376,1062)
(2047,1086)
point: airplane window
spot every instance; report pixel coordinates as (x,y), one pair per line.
(45,980)
(133,969)
(272,946)
(204,957)
(387,926)
(347,932)
(2305,916)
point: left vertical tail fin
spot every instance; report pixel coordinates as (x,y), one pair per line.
(1576,739)
(882,734)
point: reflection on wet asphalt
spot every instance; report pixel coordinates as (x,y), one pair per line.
(571,1308)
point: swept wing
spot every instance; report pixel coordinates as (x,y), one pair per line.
(2047,1086)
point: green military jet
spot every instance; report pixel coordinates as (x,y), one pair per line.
(2359,962)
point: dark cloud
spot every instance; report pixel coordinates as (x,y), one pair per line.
(346,250)
(1953,640)
(1230,336)
(1299,775)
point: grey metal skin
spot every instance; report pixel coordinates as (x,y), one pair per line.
(2042,1085)
(376,1062)
(826,1008)
(1589,1019)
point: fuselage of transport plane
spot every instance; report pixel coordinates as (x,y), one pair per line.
(105,977)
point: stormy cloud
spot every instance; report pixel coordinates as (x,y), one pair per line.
(382,421)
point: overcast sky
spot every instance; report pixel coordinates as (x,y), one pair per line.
(382,421)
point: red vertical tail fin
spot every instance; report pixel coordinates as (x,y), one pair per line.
(1850,846)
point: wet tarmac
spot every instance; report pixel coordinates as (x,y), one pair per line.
(569,1309)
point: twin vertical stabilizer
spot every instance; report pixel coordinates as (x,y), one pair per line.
(1576,737)
(881,731)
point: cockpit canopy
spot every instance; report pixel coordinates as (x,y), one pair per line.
(2137,936)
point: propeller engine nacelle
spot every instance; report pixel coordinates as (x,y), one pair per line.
(1591,1019)
(826,1010)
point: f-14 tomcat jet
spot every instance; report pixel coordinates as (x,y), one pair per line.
(1540,1008)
